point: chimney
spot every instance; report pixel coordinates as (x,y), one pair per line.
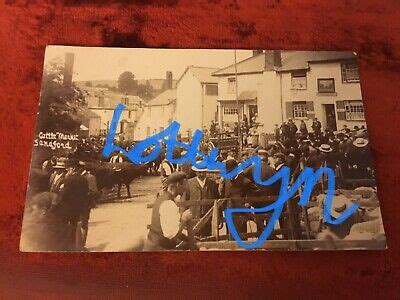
(273,59)
(257,52)
(68,68)
(168,80)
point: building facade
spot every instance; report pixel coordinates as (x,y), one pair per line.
(156,115)
(197,92)
(249,85)
(278,85)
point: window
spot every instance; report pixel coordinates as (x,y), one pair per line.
(299,109)
(350,72)
(147,131)
(149,109)
(354,110)
(326,85)
(212,89)
(299,80)
(230,111)
(231,85)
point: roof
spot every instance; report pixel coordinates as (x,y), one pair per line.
(88,113)
(297,60)
(202,74)
(165,98)
(253,64)
(156,83)
(115,99)
(291,60)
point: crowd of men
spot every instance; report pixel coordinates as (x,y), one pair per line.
(57,217)
(346,152)
(72,190)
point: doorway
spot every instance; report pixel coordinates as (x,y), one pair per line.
(330,116)
(252,113)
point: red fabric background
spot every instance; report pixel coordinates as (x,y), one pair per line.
(370,27)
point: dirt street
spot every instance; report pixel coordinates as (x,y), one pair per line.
(113,226)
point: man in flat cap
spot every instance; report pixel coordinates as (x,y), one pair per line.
(166,221)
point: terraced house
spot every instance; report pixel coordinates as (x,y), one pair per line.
(278,85)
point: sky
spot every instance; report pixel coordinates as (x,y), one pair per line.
(97,63)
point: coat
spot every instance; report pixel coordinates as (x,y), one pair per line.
(74,197)
(195,192)
(55,186)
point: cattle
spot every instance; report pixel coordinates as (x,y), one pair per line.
(110,174)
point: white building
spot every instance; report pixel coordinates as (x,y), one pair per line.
(197,92)
(91,122)
(102,103)
(157,114)
(294,84)
(250,83)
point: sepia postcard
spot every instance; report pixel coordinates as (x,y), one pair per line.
(200,149)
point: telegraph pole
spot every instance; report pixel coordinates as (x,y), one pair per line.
(238,110)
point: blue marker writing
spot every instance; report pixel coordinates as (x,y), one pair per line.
(307,178)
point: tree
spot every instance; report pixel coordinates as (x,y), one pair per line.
(127,83)
(60,106)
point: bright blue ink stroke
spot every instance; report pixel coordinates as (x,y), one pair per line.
(306,179)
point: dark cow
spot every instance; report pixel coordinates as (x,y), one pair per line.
(109,174)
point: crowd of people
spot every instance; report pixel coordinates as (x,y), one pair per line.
(346,151)
(72,190)
(56,217)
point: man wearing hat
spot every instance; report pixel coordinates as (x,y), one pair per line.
(57,177)
(74,200)
(198,188)
(166,168)
(166,221)
(328,156)
(285,130)
(238,187)
(48,165)
(292,129)
(359,159)
(280,160)
(340,204)
(93,195)
(316,127)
